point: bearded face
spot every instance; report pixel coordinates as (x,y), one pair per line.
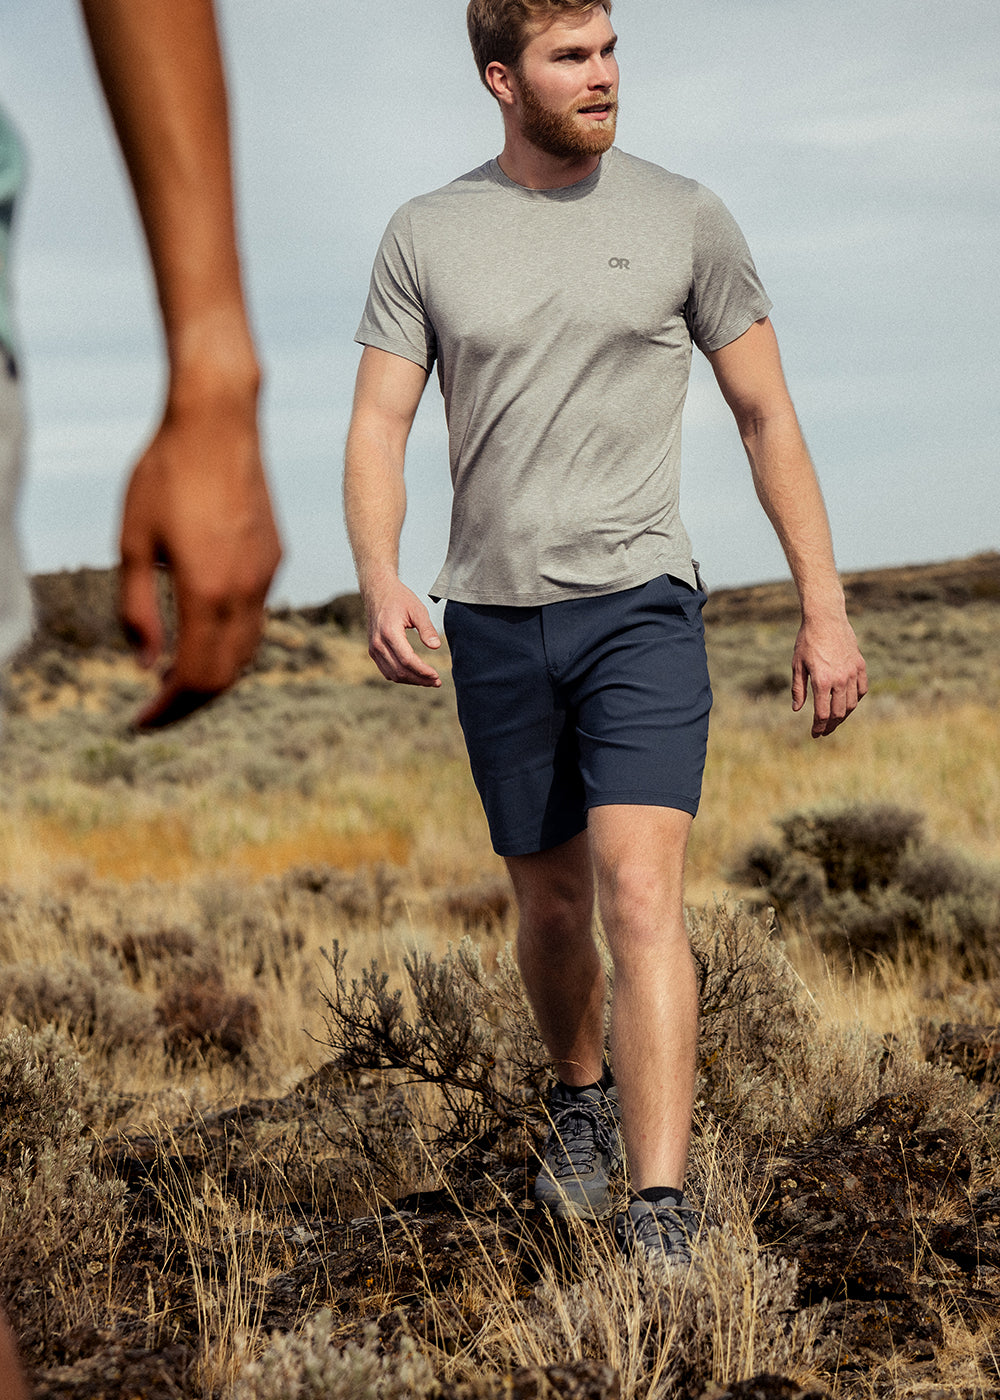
(586,127)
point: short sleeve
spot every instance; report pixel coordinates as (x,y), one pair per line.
(394,317)
(726,294)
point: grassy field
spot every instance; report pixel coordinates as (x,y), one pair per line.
(167,904)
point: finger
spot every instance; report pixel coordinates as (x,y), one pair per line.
(833,719)
(842,706)
(407,669)
(839,705)
(210,659)
(171,704)
(799,686)
(398,662)
(427,634)
(218,630)
(139,609)
(821,712)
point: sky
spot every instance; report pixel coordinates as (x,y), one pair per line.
(857,144)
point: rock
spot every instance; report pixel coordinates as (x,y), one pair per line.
(975,1050)
(116,1372)
(902,1327)
(417,1253)
(764,1387)
(574,1380)
(850,1208)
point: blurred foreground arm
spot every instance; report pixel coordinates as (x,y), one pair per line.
(12,1383)
(826,650)
(197,499)
(386,397)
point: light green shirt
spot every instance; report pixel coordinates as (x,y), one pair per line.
(15,599)
(12,168)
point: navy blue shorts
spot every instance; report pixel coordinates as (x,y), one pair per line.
(580,704)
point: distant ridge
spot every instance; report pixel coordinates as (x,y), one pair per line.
(75,609)
(956,582)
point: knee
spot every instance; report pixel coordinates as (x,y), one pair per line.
(641,911)
(558,916)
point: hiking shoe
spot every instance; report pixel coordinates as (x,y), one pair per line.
(663,1231)
(583,1152)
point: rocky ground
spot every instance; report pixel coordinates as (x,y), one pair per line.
(878,1216)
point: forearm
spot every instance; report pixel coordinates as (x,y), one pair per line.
(826,651)
(386,396)
(161,70)
(374,507)
(789,492)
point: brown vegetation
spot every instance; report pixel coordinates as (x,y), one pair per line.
(269,1085)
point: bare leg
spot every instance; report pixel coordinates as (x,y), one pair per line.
(562,970)
(638,855)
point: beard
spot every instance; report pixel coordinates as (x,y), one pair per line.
(559,133)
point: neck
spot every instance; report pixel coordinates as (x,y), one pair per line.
(526,165)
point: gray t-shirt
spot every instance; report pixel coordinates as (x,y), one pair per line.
(15,599)
(561,323)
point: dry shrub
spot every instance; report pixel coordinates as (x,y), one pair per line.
(864,882)
(310,1366)
(59,1224)
(93,1003)
(755,1021)
(140,948)
(467,1032)
(198,1012)
(772,1067)
(104,761)
(360,897)
(482,906)
(733,1315)
(462,1031)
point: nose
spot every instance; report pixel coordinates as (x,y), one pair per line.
(604,72)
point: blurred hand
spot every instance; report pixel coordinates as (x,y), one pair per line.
(389,617)
(827,656)
(197,502)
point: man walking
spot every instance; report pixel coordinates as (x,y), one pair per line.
(558,289)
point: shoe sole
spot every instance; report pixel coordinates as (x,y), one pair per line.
(564,1207)
(567,1210)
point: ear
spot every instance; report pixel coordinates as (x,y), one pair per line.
(500,81)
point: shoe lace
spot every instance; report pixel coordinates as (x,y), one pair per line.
(581,1131)
(677,1226)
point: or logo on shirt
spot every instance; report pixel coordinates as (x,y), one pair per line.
(619,262)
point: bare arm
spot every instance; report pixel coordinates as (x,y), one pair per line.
(12,1383)
(386,398)
(826,650)
(197,499)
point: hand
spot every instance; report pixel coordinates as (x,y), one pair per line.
(198,502)
(827,656)
(389,617)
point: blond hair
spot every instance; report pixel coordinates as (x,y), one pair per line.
(500,29)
